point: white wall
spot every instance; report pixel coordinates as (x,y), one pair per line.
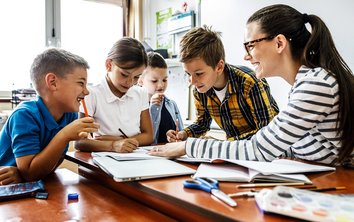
(229,17)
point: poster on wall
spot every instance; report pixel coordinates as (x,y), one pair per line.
(163,40)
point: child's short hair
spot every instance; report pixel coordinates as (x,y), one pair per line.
(57,61)
(128,53)
(155,60)
(202,42)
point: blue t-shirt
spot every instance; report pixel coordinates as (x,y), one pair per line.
(28,130)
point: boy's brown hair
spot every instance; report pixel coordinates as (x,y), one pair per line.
(155,60)
(202,42)
(57,61)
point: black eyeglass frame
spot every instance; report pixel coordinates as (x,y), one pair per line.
(246,44)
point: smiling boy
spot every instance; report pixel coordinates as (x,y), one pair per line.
(230,95)
(35,138)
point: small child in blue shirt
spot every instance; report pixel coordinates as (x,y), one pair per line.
(163,111)
(35,137)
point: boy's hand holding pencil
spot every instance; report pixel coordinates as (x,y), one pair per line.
(174,136)
(90,136)
(80,128)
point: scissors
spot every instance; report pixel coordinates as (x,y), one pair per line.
(211,186)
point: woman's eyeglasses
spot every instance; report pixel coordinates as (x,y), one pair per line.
(249,45)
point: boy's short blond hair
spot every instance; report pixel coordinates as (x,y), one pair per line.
(57,61)
(202,42)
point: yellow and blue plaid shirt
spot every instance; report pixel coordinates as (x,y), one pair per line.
(247,106)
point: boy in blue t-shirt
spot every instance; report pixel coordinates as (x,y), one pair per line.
(36,135)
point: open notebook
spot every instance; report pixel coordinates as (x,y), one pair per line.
(235,173)
(283,166)
(138,154)
(141,169)
(279,170)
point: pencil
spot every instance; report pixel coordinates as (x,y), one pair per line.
(85,111)
(327,189)
(268,185)
(85,108)
(124,135)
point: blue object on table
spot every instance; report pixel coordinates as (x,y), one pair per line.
(73,196)
(211,186)
(20,190)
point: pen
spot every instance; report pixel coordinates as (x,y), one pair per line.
(86,112)
(327,189)
(121,131)
(268,185)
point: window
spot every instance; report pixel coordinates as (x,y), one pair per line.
(88,28)
(22,25)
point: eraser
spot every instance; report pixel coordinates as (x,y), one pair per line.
(73,196)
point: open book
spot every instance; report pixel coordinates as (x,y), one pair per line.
(235,173)
(279,170)
(138,154)
(282,166)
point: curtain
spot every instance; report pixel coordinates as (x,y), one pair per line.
(133,22)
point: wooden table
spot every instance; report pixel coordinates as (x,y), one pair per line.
(167,195)
(95,203)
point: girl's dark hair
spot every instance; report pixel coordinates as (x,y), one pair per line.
(315,49)
(128,53)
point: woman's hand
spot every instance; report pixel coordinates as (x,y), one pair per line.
(171,150)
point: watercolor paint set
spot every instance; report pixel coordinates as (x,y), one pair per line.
(306,205)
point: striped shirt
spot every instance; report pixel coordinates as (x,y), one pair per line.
(305,129)
(247,106)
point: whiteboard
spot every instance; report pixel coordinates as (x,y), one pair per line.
(230,16)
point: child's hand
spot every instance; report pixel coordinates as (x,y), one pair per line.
(157,98)
(108,138)
(9,175)
(80,128)
(125,145)
(173,136)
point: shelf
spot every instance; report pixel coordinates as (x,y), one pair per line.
(20,95)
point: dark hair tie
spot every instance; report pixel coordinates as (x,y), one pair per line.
(306,18)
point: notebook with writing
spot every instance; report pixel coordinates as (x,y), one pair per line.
(141,169)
